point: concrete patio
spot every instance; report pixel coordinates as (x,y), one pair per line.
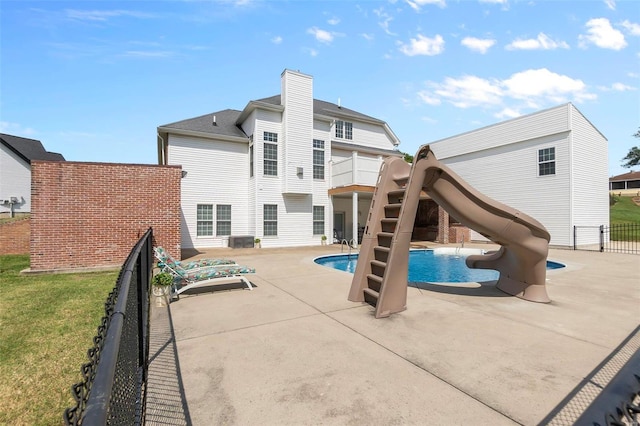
(296,351)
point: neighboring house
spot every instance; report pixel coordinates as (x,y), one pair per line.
(627,183)
(16,154)
(551,165)
(287,169)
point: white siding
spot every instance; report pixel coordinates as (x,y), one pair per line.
(540,124)
(217,173)
(297,129)
(15,181)
(501,162)
(509,174)
(366,134)
(590,175)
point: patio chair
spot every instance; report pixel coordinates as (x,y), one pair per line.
(166,261)
(209,276)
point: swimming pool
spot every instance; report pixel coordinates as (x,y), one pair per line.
(430,265)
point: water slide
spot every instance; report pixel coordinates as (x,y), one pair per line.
(522,257)
(380,278)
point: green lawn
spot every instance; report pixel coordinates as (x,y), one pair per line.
(625,211)
(47,323)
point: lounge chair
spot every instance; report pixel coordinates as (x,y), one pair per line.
(209,276)
(166,261)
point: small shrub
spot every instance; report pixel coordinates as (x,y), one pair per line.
(163,279)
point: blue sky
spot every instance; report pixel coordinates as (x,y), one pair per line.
(94,79)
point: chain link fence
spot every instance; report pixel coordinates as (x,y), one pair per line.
(113,386)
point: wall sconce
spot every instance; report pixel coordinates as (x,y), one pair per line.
(184,174)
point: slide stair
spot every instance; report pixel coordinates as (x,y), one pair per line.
(388,231)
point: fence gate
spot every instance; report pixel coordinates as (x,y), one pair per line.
(618,238)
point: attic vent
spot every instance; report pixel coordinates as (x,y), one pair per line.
(214,121)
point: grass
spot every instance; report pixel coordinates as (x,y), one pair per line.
(47,323)
(624,210)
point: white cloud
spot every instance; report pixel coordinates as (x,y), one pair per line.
(542,42)
(507,113)
(422,45)
(368,37)
(477,44)
(429,98)
(602,34)
(504,3)
(611,4)
(465,92)
(542,84)
(531,88)
(276,40)
(417,4)
(631,27)
(148,54)
(102,15)
(385,20)
(333,21)
(321,35)
(617,87)
(16,129)
(312,52)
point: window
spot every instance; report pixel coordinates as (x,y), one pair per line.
(344,130)
(251,156)
(270,154)
(204,213)
(223,219)
(318,220)
(546,161)
(348,130)
(318,159)
(270,219)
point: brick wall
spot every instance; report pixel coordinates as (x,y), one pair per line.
(87,215)
(14,237)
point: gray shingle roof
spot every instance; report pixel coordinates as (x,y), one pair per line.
(29,149)
(226,119)
(326,108)
(225,124)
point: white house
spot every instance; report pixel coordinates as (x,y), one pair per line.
(16,154)
(287,169)
(551,165)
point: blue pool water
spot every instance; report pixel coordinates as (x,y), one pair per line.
(428,266)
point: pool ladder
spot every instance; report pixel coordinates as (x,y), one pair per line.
(351,244)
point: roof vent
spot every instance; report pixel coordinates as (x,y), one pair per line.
(214,121)
(339,105)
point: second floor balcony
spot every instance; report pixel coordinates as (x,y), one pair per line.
(357,170)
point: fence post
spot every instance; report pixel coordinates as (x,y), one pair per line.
(601,238)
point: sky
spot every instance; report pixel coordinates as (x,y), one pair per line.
(93,80)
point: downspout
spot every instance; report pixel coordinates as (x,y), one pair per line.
(161,151)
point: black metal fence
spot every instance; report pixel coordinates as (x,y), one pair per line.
(618,238)
(113,386)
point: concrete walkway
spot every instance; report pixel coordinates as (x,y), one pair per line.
(294,351)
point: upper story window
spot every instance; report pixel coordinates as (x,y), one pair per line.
(546,161)
(318,159)
(270,154)
(344,129)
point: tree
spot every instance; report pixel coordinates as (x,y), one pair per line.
(407,157)
(633,157)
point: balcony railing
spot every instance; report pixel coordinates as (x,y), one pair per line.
(355,171)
